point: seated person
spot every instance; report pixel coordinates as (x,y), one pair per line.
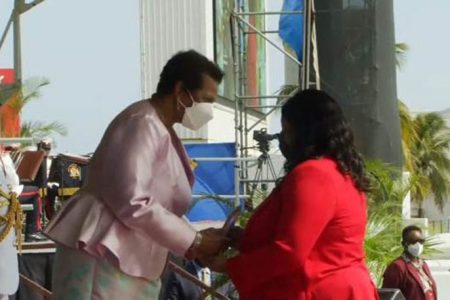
(409,273)
(33,224)
(32,170)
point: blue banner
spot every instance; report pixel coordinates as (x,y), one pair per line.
(291,26)
(212,178)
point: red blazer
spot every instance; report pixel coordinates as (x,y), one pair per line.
(402,275)
(305,241)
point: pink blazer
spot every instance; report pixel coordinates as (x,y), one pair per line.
(130,208)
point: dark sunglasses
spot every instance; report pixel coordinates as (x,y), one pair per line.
(422,241)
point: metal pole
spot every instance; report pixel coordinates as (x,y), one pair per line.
(263,106)
(210,159)
(27,6)
(260,120)
(242,89)
(143,47)
(262,31)
(263,97)
(17,43)
(259,180)
(306,44)
(236,104)
(315,53)
(246,145)
(36,287)
(268,40)
(206,196)
(18,140)
(258,13)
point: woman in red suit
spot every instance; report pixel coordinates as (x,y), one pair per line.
(305,241)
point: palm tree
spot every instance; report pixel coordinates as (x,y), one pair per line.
(425,143)
(385,198)
(431,164)
(408,134)
(15,97)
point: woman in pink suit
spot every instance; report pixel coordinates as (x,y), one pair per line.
(305,241)
(114,235)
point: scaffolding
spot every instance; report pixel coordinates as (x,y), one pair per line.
(308,77)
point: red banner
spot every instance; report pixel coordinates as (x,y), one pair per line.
(7,76)
(9,114)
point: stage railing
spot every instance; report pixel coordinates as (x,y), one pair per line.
(207,289)
(36,287)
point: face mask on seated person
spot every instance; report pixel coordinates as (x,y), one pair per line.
(197,115)
(415,249)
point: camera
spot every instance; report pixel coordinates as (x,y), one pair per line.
(263,138)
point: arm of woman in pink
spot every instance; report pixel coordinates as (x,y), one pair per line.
(308,204)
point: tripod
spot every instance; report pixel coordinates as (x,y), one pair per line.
(263,162)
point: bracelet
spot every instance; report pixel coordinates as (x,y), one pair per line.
(197,240)
(190,253)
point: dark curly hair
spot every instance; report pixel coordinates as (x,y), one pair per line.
(321,129)
(189,68)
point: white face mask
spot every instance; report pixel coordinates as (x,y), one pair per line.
(197,115)
(415,249)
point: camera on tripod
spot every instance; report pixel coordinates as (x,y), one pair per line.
(263,139)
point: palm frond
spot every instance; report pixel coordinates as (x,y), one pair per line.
(382,240)
(41,129)
(28,91)
(287,89)
(32,88)
(401,49)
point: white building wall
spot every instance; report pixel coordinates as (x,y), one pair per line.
(169,26)
(433,213)
(222,129)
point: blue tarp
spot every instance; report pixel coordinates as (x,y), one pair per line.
(212,177)
(291,26)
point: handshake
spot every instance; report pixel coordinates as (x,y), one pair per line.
(210,245)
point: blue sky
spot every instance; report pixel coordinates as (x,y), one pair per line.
(89,50)
(424,82)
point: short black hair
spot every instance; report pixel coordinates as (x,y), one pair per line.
(408,229)
(189,68)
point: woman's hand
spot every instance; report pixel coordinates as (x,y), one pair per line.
(213,241)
